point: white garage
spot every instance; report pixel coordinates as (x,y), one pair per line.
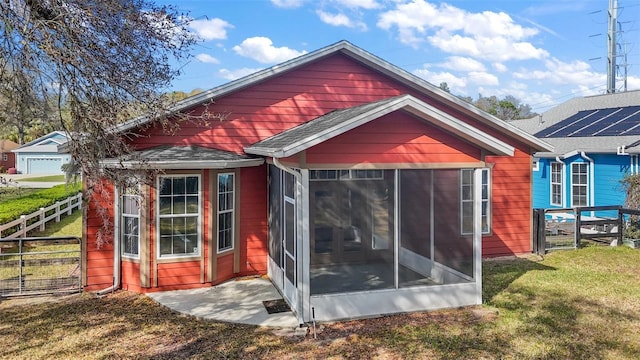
(41,156)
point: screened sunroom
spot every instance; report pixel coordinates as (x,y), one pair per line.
(353,243)
(378,209)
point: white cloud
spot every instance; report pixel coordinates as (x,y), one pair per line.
(456,84)
(482,78)
(340,20)
(287,4)
(500,67)
(206,58)
(211,29)
(559,72)
(237,73)
(262,50)
(460,63)
(358,4)
(485,35)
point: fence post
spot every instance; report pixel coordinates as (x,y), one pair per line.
(23,225)
(79,200)
(539,234)
(578,224)
(42,217)
(57,211)
(620,226)
(69,207)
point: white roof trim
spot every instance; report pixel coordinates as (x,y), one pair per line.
(196,164)
(408,103)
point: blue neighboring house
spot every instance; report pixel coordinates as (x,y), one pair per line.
(596,142)
(41,155)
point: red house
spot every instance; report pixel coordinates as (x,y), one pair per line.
(357,187)
(7,157)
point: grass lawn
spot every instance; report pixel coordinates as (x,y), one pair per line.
(49,178)
(582,304)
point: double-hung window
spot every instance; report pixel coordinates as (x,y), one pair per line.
(466,201)
(579,184)
(130,222)
(226,211)
(556,183)
(178,215)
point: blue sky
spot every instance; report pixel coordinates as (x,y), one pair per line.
(543,52)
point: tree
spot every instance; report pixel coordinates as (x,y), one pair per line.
(507,108)
(103,61)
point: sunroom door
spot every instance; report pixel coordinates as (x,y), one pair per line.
(289,243)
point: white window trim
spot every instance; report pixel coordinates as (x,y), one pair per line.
(551,183)
(158,217)
(586,186)
(232,211)
(536,165)
(487,200)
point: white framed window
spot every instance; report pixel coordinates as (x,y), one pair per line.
(556,183)
(226,211)
(579,184)
(130,221)
(466,201)
(178,215)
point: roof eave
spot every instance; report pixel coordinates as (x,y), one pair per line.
(195,164)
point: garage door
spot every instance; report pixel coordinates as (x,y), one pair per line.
(44,165)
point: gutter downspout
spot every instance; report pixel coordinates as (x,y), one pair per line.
(564,181)
(592,192)
(116,251)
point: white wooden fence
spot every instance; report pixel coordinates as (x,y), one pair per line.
(24,224)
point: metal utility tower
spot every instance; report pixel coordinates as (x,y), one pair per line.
(611,41)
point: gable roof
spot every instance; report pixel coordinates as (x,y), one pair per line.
(7,145)
(366,58)
(338,122)
(46,143)
(567,145)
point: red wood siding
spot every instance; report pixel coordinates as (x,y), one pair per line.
(99,271)
(510,206)
(395,138)
(130,275)
(253,222)
(178,273)
(281,103)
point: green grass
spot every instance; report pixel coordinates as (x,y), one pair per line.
(50,178)
(70,225)
(582,304)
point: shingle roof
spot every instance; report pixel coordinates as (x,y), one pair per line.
(594,144)
(338,122)
(183,157)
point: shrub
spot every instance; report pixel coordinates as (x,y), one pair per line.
(13,209)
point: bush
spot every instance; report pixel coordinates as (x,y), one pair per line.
(13,209)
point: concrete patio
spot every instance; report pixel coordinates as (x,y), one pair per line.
(235,301)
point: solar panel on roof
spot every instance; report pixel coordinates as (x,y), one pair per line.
(553,129)
(602,122)
(629,118)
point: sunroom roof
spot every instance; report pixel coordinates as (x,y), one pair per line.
(183,157)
